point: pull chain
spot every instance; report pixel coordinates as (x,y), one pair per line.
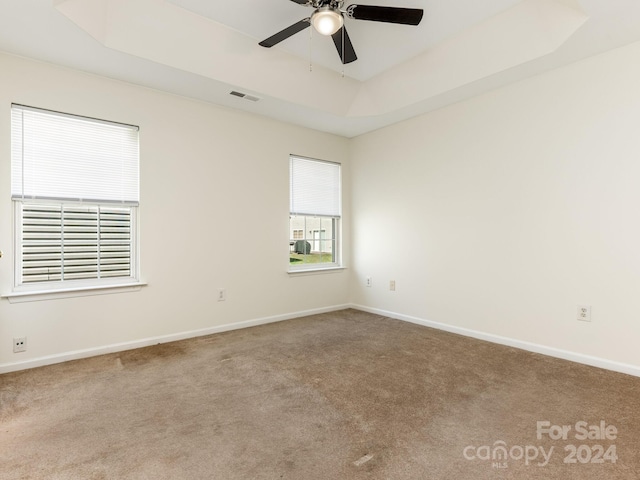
(310,37)
(343,30)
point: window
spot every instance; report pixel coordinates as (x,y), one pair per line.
(314,214)
(75,186)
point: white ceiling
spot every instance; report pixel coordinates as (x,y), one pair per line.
(204,49)
(379,46)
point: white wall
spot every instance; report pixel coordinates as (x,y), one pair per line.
(209,177)
(502,213)
(499,214)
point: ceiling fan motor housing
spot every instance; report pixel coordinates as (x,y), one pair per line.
(333,4)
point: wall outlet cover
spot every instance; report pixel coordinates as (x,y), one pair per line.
(19,344)
(584,313)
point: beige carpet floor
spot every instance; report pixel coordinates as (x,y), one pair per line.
(345,395)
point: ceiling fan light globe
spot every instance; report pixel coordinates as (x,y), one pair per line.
(327,21)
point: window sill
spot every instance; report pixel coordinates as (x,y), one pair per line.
(54,294)
(317,270)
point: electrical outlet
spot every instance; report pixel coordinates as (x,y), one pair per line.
(368,281)
(392,285)
(222,294)
(19,344)
(584,313)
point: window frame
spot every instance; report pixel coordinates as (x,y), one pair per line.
(336,239)
(50,289)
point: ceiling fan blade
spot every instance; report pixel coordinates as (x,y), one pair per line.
(301,2)
(347,54)
(405,16)
(286,33)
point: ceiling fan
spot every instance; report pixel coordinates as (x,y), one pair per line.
(328,19)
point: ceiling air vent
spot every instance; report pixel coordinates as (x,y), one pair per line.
(246,96)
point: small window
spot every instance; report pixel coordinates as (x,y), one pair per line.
(314,214)
(75,186)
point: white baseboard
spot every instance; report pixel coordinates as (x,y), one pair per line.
(145,342)
(510,342)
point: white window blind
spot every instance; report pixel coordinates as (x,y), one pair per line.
(314,187)
(65,157)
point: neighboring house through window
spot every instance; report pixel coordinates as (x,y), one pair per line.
(314,213)
(75,186)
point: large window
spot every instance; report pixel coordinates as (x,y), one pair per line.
(314,214)
(75,186)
